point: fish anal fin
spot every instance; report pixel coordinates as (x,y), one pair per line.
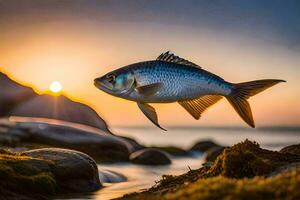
(150,113)
(148,90)
(198,106)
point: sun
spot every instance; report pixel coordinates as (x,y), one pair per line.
(55,87)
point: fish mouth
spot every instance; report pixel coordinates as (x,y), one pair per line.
(98,83)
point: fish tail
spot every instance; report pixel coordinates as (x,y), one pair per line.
(242,91)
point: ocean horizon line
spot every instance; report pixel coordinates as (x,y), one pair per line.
(176,127)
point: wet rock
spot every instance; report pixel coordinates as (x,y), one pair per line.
(98,144)
(150,157)
(10,135)
(203,145)
(174,151)
(61,108)
(74,171)
(108,176)
(136,146)
(212,153)
(11,94)
(293,149)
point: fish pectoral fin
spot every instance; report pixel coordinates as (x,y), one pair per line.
(150,113)
(198,106)
(148,90)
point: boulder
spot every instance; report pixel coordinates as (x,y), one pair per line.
(98,144)
(203,145)
(108,176)
(174,151)
(11,94)
(74,171)
(24,177)
(61,108)
(136,146)
(212,153)
(293,149)
(150,156)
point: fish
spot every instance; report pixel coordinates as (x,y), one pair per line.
(170,78)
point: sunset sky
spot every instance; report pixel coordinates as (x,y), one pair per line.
(75,41)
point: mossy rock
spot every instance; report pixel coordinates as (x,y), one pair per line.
(73,170)
(39,174)
(283,186)
(243,171)
(247,159)
(25,176)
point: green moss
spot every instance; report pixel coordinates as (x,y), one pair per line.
(285,186)
(238,173)
(25,175)
(247,159)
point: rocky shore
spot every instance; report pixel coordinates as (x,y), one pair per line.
(42,159)
(243,171)
(42,173)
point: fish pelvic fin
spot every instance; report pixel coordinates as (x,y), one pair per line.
(150,113)
(242,91)
(198,106)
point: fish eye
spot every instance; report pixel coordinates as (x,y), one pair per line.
(111,78)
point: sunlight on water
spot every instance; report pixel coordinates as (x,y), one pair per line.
(142,177)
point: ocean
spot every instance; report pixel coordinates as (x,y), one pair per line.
(142,177)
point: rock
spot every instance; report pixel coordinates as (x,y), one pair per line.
(11,94)
(293,149)
(174,151)
(19,100)
(108,176)
(247,159)
(203,145)
(74,171)
(61,108)
(243,171)
(285,169)
(212,153)
(23,177)
(136,146)
(150,157)
(98,144)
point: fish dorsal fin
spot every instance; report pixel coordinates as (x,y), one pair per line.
(150,113)
(198,106)
(170,57)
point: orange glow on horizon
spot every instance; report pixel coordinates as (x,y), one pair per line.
(76,55)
